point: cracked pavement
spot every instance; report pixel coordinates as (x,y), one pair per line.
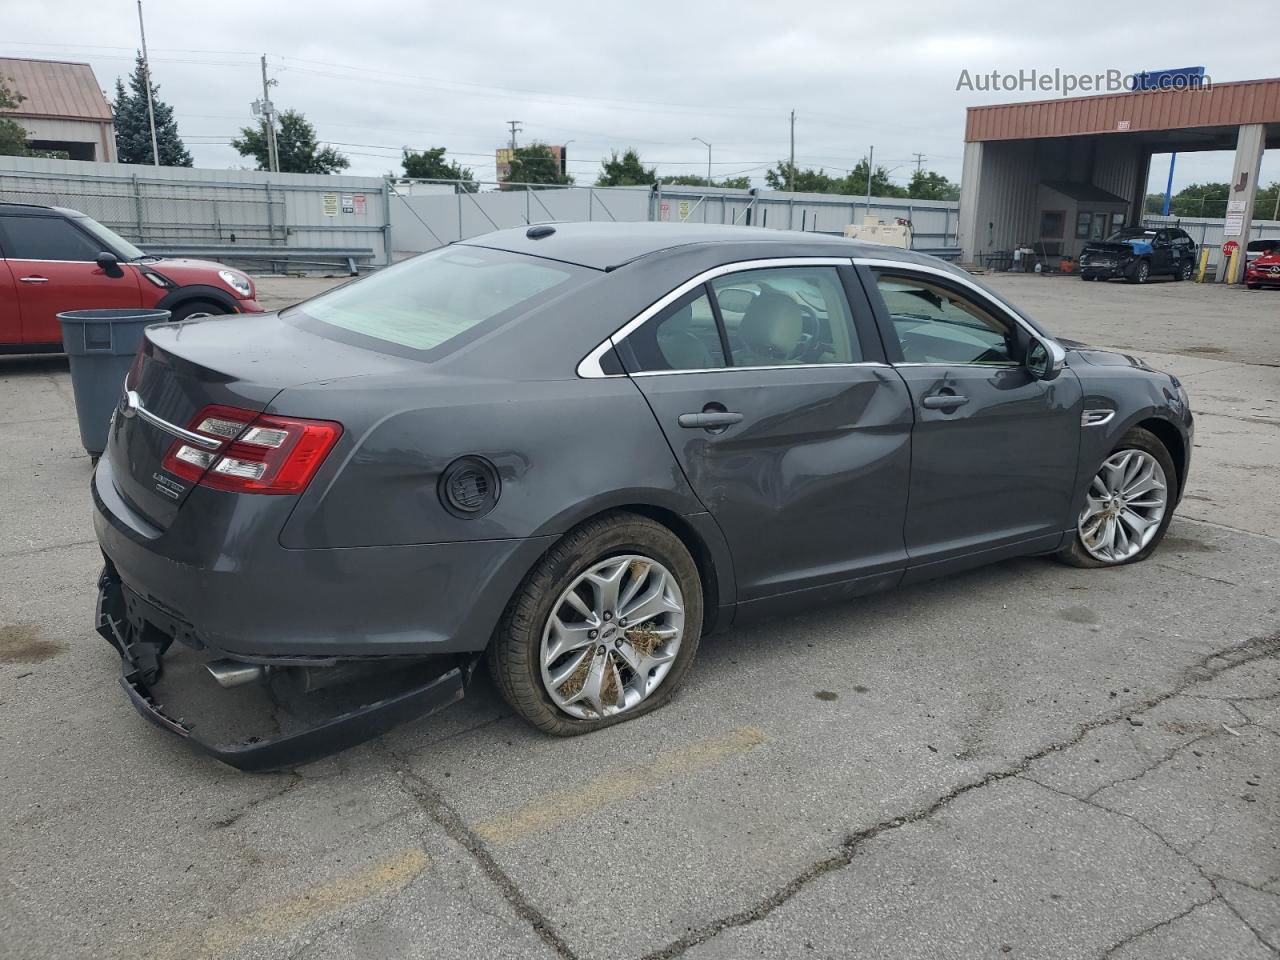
(1025,761)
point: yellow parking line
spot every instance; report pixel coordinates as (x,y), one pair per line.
(611,787)
(225,936)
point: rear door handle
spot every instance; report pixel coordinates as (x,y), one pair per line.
(709,421)
(944,401)
(34,279)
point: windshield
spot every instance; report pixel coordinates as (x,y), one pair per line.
(115,243)
(1132,233)
(430,300)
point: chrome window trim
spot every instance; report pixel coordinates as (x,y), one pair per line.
(778,366)
(589,367)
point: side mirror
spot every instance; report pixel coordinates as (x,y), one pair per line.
(109,264)
(1045,359)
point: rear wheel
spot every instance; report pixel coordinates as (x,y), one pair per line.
(602,630)
(1254,286)
(1128,506)
(1183,271)
(193,309)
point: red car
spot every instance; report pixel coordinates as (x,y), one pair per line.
(52,259)
(1263,272)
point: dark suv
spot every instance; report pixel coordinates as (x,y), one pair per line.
(53,259)
(1139,253)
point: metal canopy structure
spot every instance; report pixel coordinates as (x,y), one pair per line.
(1104,142)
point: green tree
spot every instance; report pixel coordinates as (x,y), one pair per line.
(430,164)
(787,177)
(1201,200)
(927,185)
(692,180)
(534,163)
(625,171)
(296,144)
(13,135)
(856,182)
(133,125)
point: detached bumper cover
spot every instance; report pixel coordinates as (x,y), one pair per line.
(141,651)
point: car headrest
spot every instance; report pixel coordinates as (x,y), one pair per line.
(773,324)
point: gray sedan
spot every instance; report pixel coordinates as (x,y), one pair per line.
(577,449)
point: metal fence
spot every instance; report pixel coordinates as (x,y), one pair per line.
(1208,231)
(277,220)
(426,214)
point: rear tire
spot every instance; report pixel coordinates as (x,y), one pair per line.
(1143,442)
(192,309)
(1184,271)
(555,692)
(1254,286)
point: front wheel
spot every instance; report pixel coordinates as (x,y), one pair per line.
(1128,506)
(195,309)
(1140,273)
(603,629)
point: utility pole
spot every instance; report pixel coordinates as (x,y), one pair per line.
(146,75)
(791,185)
(708,146)
(515,128)
(268,111)
(920,159)
(871,155)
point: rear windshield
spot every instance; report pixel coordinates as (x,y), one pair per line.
(434,301)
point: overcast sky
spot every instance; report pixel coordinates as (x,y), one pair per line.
(375,75)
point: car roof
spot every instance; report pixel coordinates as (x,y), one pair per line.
(37,210)
(607,246)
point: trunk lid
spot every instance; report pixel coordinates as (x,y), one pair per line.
(235,361)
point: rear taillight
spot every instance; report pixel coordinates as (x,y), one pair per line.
(257,453)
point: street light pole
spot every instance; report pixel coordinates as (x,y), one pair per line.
(146,75)
(708,146)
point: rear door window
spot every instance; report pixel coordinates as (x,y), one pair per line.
(436,301)
(46,238)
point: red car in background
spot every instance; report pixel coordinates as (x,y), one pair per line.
(1263,272)
(53,259)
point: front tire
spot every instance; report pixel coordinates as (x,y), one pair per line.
(1128,505)
(1140,273)
(602,630)
(193,309)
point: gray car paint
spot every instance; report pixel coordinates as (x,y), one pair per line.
(366,562)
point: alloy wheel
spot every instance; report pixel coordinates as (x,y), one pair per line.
(612,636)
(1124,507)
(1143,272)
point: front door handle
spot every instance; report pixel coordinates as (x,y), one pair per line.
(34,279)
(709,420)
(944,401)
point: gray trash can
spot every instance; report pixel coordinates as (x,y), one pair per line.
(101,345)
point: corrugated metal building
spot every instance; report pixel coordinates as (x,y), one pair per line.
(1101,143)
(63,109)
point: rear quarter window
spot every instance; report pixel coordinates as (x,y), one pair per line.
(436,302)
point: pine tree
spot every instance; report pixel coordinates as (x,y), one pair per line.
(133,126)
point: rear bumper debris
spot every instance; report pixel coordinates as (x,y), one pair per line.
(142,645)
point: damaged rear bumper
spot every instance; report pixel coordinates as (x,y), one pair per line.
(141,636)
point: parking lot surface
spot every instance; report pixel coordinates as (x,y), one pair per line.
(1026,761)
